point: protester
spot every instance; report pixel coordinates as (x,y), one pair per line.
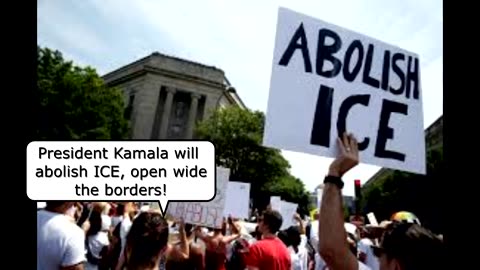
(216,246)
(408,246)
(365,251)
(97,240)
(404,246)
(147,244)
(118,216)
(132,239)
(269,253)
(292,238)
(60,241)
(298,241)
(128,215)
(196,258)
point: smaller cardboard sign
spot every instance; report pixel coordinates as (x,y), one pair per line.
(275,203)
(372,219)
(237,200)
(288,210)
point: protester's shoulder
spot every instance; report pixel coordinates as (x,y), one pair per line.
(44,215)
(362,266)
(196,249)
(366,241)
(74,232)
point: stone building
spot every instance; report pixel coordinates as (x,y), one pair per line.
(433,140)
(166,96)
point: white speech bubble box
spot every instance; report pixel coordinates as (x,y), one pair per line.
(121,171)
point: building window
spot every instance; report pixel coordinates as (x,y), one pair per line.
(129,109)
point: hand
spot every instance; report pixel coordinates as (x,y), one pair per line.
(181,224)
(297,217)
(347,157)
(197,230)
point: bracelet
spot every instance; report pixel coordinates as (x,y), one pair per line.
(337,181)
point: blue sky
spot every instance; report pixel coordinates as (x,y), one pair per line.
(238,37)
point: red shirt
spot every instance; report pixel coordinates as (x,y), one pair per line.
(269,254)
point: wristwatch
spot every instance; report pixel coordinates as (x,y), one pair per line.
(337,181)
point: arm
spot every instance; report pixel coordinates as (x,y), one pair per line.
(73,267)
(205,238)
(235,233)
(333,244)
(181,253)
(121,260)
(228,239)
(300,223)
(74,255)
(198,258)
(184,245)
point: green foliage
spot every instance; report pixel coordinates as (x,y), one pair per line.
(346,214)
(290,189)
(419,194)
(74,103)
(237,135)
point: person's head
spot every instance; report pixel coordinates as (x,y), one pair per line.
(270,222)
(95,221)
(364,233)
(120,209)
(283,236)
(101,207)
(316,215)
(129,208)
(290,237)
(293,233)
(407,246)
(71,209)
(146,240)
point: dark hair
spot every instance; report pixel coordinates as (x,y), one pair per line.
(413,246)
(120,209)
(273,220)
(54,204)
(283,236)
(146,238)
(188,229)
(294,239)
(95,223)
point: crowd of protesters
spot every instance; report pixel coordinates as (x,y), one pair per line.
(127,236)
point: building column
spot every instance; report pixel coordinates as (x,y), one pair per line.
(167,109)
(144,107)
(192,115)
(210,104)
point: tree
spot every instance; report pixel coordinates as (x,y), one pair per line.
(74,103)
(419,194)
(237,135)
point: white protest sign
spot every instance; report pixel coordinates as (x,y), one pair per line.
(327,80)
(287,210)
(372,219)
(275,203)
(208,214)
(237,200)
